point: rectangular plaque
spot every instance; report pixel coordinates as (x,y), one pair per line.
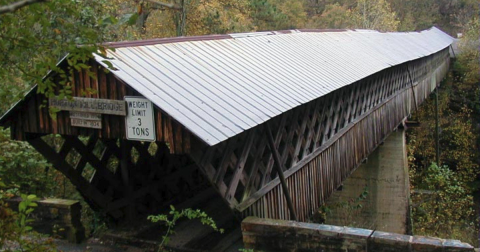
(93,105)
(94,124)
(139,122)
(85,115)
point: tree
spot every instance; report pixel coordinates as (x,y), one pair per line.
(416,15)
(450,16)
(219,17)
(178,11)
(469,59)
(375,15)
(365,14)
(11,7)
(35,37)
(335,16)
(455,14)
(447,208)
(191,17)
(278,14)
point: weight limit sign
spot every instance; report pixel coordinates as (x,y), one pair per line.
(139,122)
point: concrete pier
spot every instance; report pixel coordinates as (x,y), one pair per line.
(384,178)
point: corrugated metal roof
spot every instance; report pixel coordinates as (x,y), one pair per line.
(218,88)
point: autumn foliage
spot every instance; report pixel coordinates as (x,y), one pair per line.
(443,202)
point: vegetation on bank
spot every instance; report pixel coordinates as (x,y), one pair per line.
(443,194)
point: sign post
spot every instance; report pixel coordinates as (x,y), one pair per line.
(139,122)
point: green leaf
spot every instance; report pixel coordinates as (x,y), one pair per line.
(22,206)
(133,19)
(31,197)
(129,19)
(109,20)
(109,64)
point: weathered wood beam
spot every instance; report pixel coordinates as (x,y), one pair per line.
(82,162)
(280,169)
(92,160)
(280,134)
(413,88)
(257,155)
(240,164)
(86,189)
(126,149)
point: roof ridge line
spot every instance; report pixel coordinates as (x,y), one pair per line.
(169,40)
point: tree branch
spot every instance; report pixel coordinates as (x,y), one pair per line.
(168,5)
(17,5)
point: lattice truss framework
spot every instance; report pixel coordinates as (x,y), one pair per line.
(241,168)
(150,178)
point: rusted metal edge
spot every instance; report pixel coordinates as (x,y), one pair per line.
(165,40)
(203,38)
(209,37)
(322,30)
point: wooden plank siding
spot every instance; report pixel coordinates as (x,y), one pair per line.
(32,119)
(321,143)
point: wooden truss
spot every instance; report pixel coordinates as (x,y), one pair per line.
(119,177)
(319,143)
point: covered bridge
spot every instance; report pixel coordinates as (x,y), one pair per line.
(251,115)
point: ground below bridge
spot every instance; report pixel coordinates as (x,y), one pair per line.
(376,195)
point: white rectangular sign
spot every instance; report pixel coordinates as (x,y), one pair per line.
(139,122)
